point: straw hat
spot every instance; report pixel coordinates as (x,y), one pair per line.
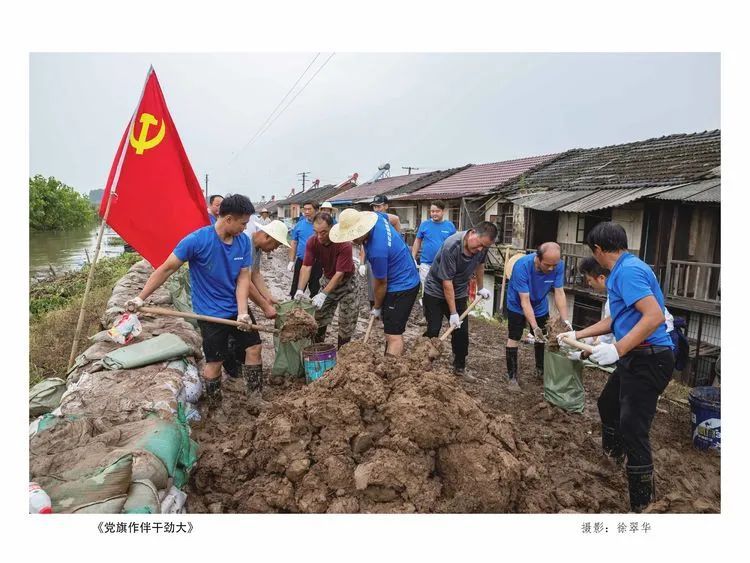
(352,225)
(277,230)
(264,210)
(512,262)
(326,205)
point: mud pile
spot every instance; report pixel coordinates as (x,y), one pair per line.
(375,434)
(299,324)
(553,328)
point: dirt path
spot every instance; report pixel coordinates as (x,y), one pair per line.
(390,437)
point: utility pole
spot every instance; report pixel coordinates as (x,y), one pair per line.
(206,188)
(409,168)
(304,178)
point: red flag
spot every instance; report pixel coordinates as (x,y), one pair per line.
(157,198)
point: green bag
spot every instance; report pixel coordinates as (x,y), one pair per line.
(563,384)
(45,396)
(178,286)
(288,359)
(166,346)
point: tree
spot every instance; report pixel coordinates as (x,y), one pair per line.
(55,206)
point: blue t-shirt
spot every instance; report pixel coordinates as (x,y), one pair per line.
(433,235)
(212,218)
(214,269)
(527,279)
(389,257)
(630,281)
(301,232)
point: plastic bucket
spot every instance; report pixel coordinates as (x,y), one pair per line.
(317,359)
(705,407)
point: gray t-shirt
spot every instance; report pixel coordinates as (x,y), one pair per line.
(451,263)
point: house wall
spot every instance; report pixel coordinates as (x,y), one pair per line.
(631,218)
(407,213)
(519,227)
(703,233)
(567,223)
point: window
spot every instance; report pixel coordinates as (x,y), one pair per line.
(504,222)
(587,221)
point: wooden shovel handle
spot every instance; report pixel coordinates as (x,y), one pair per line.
(473,304)
(580,345)
(185,315)
(369,328)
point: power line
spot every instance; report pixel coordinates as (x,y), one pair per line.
(270,115)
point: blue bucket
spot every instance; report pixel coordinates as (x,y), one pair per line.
(705,406)
(317,359)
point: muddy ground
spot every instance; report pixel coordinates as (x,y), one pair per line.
(408,436)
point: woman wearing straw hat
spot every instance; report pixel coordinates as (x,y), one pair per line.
(394,270)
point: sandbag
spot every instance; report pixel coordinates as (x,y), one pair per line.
(143,498)
(45,396)
(288,360)
(173,502)
(157,349)
(178,286)
(563,382)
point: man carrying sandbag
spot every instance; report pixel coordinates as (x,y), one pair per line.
(338,281)
(642,354)
(220,257)
(396,277)
(446,286)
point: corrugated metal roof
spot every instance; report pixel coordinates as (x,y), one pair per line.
(695,191)
(602,199)
(550,200)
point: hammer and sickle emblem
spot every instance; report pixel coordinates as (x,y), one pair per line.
(143,143)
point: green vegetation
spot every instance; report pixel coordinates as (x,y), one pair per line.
(55,206)
(55,306)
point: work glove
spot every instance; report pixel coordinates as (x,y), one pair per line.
(605,354)
(567,323)
(299,295)
(575,356)
(484,293)
(455,321)
(590,340)
(362,270)
(290,266)
(539,335)
(134,304)
(375,313)
(570,334)
(319,299)
(244,318)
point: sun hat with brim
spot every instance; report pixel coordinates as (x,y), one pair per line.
(326,204)
(352,225)
(276,230)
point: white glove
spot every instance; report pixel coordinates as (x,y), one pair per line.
(567,323)
(375,313)
(299,295)
(290,266)
(575,356)
(605,354)
(570,334)
(484,293)
(539,335)
(590,340)
(134,304)
(362,270)
(455,321)
(319,299)
(244,319)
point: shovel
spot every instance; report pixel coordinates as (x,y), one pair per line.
(435,351)
(580,345)
(369,329)
(184,315)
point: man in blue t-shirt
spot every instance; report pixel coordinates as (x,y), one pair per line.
(396,280)
(214,203)
(302,231)
(642,353)
(534,277)
(220,257)
(430,237)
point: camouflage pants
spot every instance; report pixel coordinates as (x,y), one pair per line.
(344,297)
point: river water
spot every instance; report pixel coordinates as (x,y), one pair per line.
(66,250)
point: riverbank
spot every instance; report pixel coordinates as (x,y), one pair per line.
(54,306)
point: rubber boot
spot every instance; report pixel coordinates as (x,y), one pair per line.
(253,376)
(640,486)
(511,361)
(320,336)
(212,389)
(612,444)
(342,341)
(539,359)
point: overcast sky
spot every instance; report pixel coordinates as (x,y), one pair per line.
(424,110)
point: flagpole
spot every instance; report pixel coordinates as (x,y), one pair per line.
(112,191)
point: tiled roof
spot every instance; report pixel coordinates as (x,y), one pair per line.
(378,187)
(424,181)
(664,161)
(480,178)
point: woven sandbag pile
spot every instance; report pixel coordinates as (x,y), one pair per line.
(119,439)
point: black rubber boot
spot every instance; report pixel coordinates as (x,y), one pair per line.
(511,361)
(253,376)
(212,389)
(342,341)
(539,359)
(612,443)
(320,336)
(640,486)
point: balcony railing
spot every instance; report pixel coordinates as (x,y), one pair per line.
(694,280)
